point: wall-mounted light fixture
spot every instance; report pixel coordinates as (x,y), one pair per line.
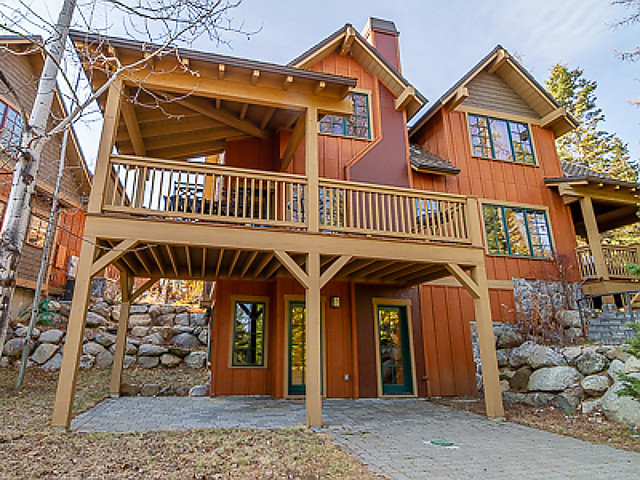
(334,302)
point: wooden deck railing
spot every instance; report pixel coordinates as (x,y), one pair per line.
(206,192)
(615,258)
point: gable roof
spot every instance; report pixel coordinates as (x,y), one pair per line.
(501,63)
(572,172)
(348,40)
(427,162)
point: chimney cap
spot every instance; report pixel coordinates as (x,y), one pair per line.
(378,24)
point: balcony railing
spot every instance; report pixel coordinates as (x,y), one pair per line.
(206,192)
(615,259)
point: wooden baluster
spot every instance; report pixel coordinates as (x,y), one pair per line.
(331,193)
(359,212)
(253,198)
(260,200)
(236,198)
(268,210)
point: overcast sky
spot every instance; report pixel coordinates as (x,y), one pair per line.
(441,40)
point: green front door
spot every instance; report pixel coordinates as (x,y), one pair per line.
(395,350)
(297,348)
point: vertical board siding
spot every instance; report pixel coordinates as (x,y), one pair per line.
(68,243)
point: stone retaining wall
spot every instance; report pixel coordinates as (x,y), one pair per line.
(158,336)
(609,326)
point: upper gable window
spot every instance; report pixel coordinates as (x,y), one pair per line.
(357,125)
(501,139)
(10,126)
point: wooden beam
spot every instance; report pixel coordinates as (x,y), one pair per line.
(111,256)
(248,263)
(157,259)
(464,279)
(243,111)
(273,269)
(459,96)
(190,150)
(549,118)
(142,261)
(133,127)
(267,117)
(425,272)
(263,263)
(124,258)
(406,271)
(293,144)
(126,288)
(144,287)
(312,167)
(255,76)
(313,338)
(407,95)
(593,237)
(349,37)
(221,70)
(188,254)
(320,86)
(204,261)
(286,84)
(233,262)
(355,266)
(172,259)
(293,268)
(219,263)
(497,62)
(363,273)
(333,269)
(204,107)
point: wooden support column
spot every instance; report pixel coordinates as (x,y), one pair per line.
(107,139)
(75,334)
(474,223)
(312,169)
(593,237)
(126,287)
(490,375)
(313,394)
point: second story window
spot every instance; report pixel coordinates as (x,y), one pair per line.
(10,126)
(357,125)
(37,231)
(517,231)
(501,139)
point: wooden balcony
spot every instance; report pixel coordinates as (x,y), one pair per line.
(144,187)
(615,256)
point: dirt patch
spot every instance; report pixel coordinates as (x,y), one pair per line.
(33,450)
(594,428)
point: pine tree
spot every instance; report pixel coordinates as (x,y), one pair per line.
(588,145)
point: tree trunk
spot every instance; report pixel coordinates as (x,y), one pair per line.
(18,210)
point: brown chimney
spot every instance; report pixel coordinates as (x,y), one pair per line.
(382,34)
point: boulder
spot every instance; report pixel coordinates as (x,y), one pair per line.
(93,348)
(21,331)
(512,398)
(104,359)
(168,360)
(182,319)
(140,331)
(179,351)
(589,406)
(506,336)
(542,356)
(199,391)
(65,309)
(196,359)
(595,385)
(166,319)
(44,352)
(95,320)
(90,334)
(569,318)
(571,354)
(149,389)
(198,319)
(569,400)
(203,337)
(178,329)
(553,379)
(139,308)
(519,355)
(506,373)
(197,331)
(503,357)
(167,391)
(129,361)
(181,391)
(538,399)
(185,340)
(165,332)
(129,390)
(504,385)
(181,309)
(51,336)
(154,338)
(616,368)
(150,350)
(130,348)
(148,362)
(13,348)
(625,410)
(520,378)
(154,311)
(102,308)
(590,362)
(105,339)
(86,361)
(54,363)
(631,365)
(140,320)
(166,309)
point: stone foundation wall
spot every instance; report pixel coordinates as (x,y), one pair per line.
(158,336)
(609,325)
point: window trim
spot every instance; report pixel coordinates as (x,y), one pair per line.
(254,299)
(370,138)
(509,119)
(12,106)
(526,207)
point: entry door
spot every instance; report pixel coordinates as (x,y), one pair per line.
(395,350)
(298,348)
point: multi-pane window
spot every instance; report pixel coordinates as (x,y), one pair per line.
(517,231)
(10,126)
(248,334)
(37,231)
(501,139)
(357,125)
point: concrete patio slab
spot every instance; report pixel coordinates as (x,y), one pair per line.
(392,436)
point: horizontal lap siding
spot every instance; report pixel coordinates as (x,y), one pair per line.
(492,93)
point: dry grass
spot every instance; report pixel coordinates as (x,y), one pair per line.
(594,428)
(32,450)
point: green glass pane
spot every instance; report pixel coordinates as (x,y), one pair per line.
(496,234)
(539,233)
(517,228)
(248,338)
(500,139)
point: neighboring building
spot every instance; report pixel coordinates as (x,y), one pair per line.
(349,252)
(22,70)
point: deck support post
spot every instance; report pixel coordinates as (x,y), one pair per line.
(313,380)
(312,169)
(126,287)
(75,335)
(486,340)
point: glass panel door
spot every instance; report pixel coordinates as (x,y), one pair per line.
(395,351)
(298,348)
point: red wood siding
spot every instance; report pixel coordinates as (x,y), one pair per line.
(68,243)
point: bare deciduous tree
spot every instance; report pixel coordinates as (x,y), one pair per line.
(163,24)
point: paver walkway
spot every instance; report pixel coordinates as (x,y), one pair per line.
(393,437)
